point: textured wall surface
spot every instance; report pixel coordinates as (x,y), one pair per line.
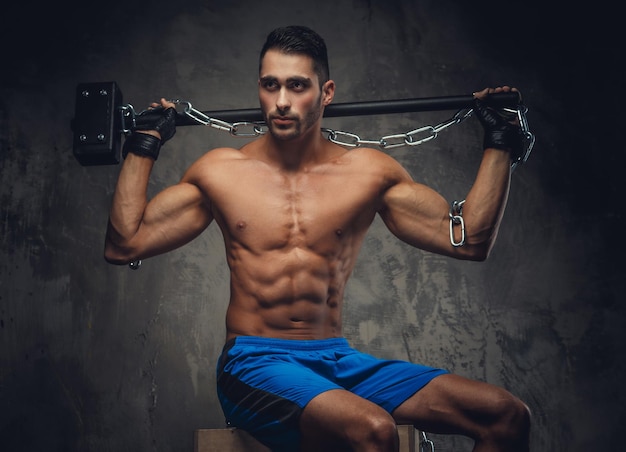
(95,357)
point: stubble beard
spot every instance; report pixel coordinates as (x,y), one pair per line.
(299,125)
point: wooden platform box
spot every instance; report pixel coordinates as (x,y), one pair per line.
(235,440)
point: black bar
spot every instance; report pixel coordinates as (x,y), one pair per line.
(510,99)
(99,119)
(383,107)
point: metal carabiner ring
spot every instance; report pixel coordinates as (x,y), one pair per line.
(127,111)
(456,218)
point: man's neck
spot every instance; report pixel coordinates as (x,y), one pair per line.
(296,154)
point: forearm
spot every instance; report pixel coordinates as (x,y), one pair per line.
(484,206)
(128,207)
(485,203)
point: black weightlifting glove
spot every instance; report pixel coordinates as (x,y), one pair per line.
(147,145)
(161,120)
(499,132)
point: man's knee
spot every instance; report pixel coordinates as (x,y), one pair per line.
(514,420)
(378,432)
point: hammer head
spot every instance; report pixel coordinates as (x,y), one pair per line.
(96,124)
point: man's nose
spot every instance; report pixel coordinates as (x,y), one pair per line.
(282,101)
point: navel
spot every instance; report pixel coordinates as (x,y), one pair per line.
(338,232)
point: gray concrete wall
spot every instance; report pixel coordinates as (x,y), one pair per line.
(101,358)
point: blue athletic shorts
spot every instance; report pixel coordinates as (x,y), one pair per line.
(263,384)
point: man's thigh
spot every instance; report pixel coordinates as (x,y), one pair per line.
(451,404)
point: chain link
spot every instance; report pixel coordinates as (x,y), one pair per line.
(456,218)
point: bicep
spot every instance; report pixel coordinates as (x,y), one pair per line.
(418,215)
(172,218)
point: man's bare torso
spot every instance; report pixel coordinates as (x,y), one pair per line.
(292,237)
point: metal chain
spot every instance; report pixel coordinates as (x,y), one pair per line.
(414,137)
(254,129)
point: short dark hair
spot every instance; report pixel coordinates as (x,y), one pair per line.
(297,39)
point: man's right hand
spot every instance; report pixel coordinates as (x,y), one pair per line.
(500,133)
(147,140)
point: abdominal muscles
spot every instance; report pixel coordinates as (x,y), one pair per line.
(290,294)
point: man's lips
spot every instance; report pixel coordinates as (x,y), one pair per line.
(283,119)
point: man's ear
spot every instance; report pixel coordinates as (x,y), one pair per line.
(328,92)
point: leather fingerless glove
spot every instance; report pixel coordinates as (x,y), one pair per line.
(147,145)
(499,132)
(164,122)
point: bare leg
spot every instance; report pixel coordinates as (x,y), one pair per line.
(495,419)
(339,420)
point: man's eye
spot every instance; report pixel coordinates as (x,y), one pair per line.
(298,86)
